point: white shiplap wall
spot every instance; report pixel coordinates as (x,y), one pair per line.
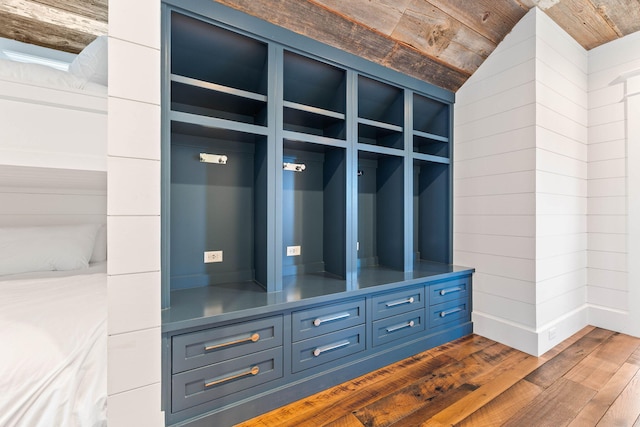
(494,187)
(561,184)
(133,214)
(612,285)
(520,190)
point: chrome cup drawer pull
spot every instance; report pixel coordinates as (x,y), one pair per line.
(410,324)
(318,351)
(400,302)
(320,320)
(446,313)
(253,371)
(449,290)
(251,338)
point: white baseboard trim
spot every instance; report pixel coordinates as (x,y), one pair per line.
(532,341)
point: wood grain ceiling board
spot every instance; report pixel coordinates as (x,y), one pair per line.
(45,23)
(319,23)
(94,9)
(622,15)
(439,41)
(492,19)
(581,20)
(438,35)
(382,16)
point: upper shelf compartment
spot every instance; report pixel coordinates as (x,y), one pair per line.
(380,113)
(217,72)
(430,126)
(314,97)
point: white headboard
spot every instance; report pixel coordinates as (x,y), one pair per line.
(47,196)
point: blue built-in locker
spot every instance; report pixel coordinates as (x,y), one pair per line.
(306,216)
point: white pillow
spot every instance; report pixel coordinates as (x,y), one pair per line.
(91,63)
(99,253)
(25,249)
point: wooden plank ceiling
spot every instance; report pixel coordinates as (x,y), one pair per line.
(439,41)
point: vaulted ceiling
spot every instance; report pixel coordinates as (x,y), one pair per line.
(439,41)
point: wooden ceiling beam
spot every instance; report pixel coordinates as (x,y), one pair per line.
(25,30)
(97,10)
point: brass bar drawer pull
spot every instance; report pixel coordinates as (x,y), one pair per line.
(252,338)
(253,371)
(400,302)
(318,351)
(448,291)
(320,320)
(446,313)
(410,324)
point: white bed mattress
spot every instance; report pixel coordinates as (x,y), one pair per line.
(53,360)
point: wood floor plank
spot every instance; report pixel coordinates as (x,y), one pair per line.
(466,406)
(475,382)
(599,366)
(592,372)
(596,408)
(504,406)
(329,405)
(442,381)
(325,407)
(618,348)
(626,407)
(553,352)
(556,406)
(635,357)
(549,372)
(348,420)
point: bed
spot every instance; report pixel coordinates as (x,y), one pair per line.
(53,118)
(53,362)
(53,203)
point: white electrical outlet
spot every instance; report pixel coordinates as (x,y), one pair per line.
(212,256)
(293,250)
(357,246)
(552,333)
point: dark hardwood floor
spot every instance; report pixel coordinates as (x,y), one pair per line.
(591,379)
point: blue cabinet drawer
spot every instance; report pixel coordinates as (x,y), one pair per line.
(449,290)
(321,320)
(447,312)
(400,326)
(393,303)
(326,348)
(202,348)
(221,379)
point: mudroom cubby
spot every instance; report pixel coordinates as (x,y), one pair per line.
(314,97)
(314,211)
(306,216)
(380,212)
(380,113)
(218,206)
(432,218)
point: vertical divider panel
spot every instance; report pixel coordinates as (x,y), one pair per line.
(276,110)
(409,210)
(352,180)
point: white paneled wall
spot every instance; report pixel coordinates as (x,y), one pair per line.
(613,250)
(561,183)
(133,214)
(494,188)
(520,190)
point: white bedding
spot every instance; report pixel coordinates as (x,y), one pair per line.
(53,358)
(42,75)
